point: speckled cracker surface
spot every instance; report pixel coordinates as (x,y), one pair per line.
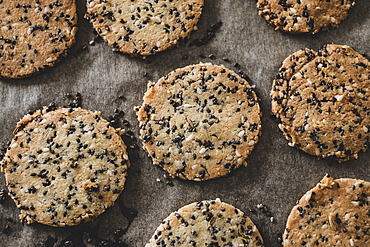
(322,101)
(141,27)
(34,35)
(64,166)
(200,122)
(304,16)
(207,223)
(334,213)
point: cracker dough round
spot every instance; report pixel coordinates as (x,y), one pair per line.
(304,16)
(334,213)
(322,101)
(34,35)
(143,28)
(207,223)
(64,166)
(200,122)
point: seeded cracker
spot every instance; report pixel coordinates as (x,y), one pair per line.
(207,223)
(322,101)
(34,34)
(141,27)
(64,166)
(199,122)
(334,213)
(304,16)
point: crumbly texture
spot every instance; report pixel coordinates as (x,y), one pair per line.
(200,122)
(207,223)
(304,16)
(322,101)
(334,213)
(34,34)
(141,27)
(64,166)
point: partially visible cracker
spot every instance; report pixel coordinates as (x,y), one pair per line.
(143,28)
(64,166)
(304,16)
(336,212)
(322,101)
(34,35)
(207,223)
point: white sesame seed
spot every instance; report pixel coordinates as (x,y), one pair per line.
(346,216)
(229,157)
(156,18)
(338,97)
(190,137)
(351,242)
(241,133)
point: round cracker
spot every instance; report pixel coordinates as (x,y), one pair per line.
(64,166)
(207,223)
(34,35)
(141,27)
(334,213)
(200,122)
(322,101)
(304,16)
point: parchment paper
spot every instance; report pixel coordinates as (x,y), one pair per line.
(277,175)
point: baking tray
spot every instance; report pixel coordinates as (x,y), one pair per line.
(276,176)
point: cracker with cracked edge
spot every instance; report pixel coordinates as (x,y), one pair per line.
(143,28)
(304,16)
(207,223)
(64,166)
(334,213)
(199,122)
(34,35)
(322,101)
